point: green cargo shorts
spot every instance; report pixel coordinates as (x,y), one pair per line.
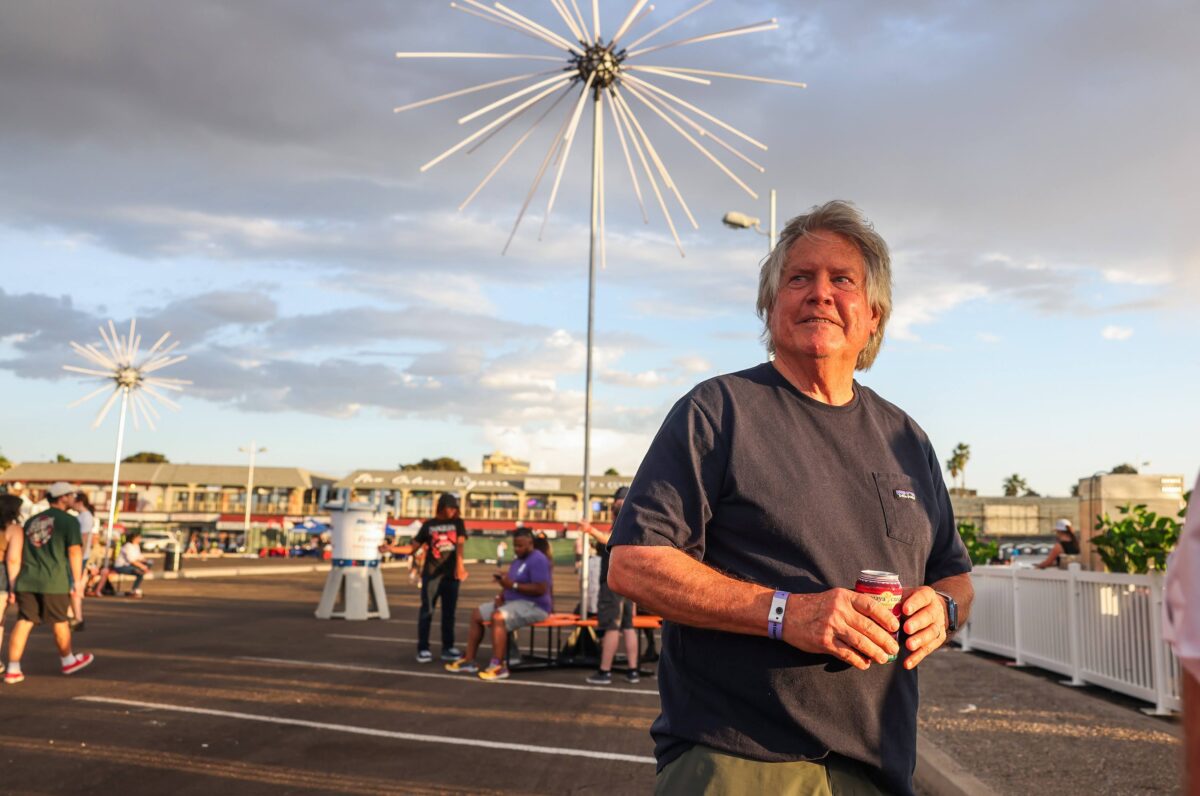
(701,771)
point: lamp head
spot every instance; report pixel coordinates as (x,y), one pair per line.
(736,220)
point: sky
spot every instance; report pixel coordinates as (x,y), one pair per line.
(233,172)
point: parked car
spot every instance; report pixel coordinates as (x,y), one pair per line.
(157,541)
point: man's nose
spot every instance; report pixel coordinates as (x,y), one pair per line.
(821,289)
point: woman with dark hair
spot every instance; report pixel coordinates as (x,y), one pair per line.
(87,524)
(10,526)
(1067,544)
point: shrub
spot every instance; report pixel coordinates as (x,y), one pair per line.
(1137,542)
(979,548)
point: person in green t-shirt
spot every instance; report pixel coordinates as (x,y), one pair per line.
(39,563)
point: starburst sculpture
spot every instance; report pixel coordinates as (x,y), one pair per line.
(614,75)
(127,375)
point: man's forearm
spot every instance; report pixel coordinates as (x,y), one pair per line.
(679,588)
(75,559)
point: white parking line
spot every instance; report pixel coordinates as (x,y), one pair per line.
(400,736)
(462,678)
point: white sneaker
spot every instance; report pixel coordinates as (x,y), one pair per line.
(424,656)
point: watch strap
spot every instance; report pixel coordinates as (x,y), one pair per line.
(951,611)
(775,615)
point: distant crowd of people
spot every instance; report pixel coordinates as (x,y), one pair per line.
(524,595)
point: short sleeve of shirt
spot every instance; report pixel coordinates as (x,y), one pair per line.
(69,526)
(538,569)
(462,528)
(948,555)
(678,484)
(422,535)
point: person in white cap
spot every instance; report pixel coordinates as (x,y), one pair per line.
(39,562)
(1067,544)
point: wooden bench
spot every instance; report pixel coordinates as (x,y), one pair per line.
(555,624)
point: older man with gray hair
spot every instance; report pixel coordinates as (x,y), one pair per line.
(764,495)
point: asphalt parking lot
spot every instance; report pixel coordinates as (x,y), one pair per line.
(232,686)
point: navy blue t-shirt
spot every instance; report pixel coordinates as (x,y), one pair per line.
(756,479)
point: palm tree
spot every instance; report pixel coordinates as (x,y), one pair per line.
(957,463)
(1014,485)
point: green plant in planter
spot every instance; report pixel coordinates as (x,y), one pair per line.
(980,549)
(1137,542)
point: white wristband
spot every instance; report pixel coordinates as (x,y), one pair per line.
(775,615)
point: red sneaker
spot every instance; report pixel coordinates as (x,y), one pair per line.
(12,678)
(81,662)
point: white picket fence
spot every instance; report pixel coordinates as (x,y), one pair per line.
(1093,627)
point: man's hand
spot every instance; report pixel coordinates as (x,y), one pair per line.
(925,624)
(12,597)
(850,626)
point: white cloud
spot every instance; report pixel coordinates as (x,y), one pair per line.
(988,337)
(1116,333)
(1147,274)
(693,364)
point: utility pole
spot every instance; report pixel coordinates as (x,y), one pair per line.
(253,449)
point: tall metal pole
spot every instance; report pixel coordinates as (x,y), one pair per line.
(249,490)
(112,500)
(591,317)
(773,233)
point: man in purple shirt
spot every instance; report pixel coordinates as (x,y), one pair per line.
(525,598)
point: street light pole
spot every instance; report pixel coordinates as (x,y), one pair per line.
(252,450)
(773,234)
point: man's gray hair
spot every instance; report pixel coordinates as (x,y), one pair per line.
(847,220)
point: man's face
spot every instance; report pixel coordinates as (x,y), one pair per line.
(522,546)
(821,310)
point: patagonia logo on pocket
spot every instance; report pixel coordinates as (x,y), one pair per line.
(904,494)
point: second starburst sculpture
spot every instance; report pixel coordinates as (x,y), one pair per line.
(135,379)
(609,73)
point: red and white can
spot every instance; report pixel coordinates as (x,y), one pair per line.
(884,588)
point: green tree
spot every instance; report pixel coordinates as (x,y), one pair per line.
(957,463)
(612,471)
(1014,485)
(1124,469)
(1137,541)
(60,459)
(5,464)
(441,463)
(981,549)
(146,457)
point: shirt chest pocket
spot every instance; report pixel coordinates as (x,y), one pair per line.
(906,509)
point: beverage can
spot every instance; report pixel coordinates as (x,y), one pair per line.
(885,589)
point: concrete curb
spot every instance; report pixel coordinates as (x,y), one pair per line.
(236,572)
(938,774)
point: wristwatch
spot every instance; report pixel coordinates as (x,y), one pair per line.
(951,612)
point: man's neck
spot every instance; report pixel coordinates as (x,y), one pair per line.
(828,381)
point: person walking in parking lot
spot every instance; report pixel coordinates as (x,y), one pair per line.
(10,529)
(441,540)
(40,561)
